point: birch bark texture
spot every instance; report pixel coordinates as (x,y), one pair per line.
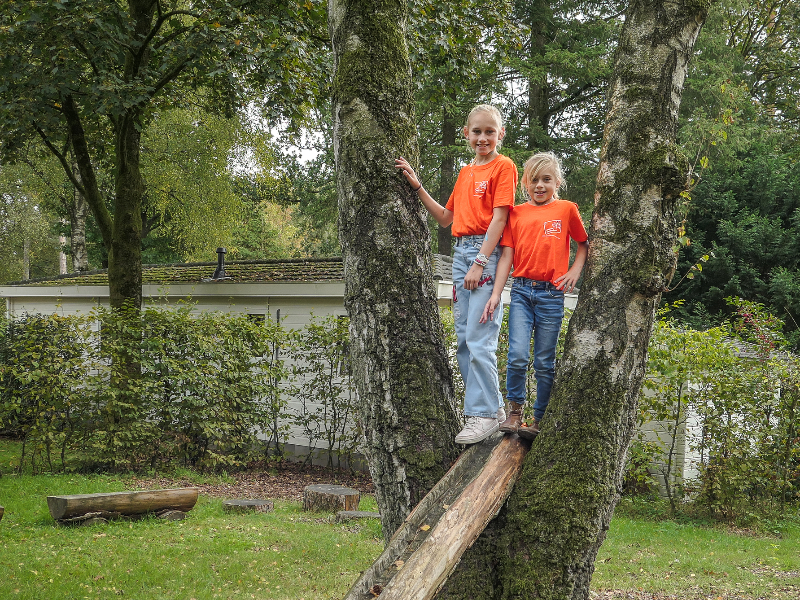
(402,376)
(557,516)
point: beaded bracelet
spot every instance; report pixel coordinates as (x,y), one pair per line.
(481,260)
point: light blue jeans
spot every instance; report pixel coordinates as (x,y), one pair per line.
(538,307)
(477,342)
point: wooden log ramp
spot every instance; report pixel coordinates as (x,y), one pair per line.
(429,544)
(166,503)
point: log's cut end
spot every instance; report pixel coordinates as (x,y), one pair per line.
(124,503)
(328,497)
(242,506)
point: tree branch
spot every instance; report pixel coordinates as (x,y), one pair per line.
(61,158)
(89,188)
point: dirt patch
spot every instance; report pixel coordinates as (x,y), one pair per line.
(286,482)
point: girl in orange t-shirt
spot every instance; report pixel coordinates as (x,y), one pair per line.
(478,209)
(536,242)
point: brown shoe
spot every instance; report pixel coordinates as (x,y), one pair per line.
(530,430)
(514,420)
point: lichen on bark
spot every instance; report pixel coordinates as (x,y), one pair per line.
(400,368)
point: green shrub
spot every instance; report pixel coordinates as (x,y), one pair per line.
(740,393)
(322,384)
(133,390)
(638,479)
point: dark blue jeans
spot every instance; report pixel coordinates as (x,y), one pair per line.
(537,308)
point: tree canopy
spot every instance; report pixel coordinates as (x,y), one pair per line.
(87,77)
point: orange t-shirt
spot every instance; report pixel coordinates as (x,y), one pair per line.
(478,190)
(540,237)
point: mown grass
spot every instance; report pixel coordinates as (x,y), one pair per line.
(687,558)
(286,554)
(292,555)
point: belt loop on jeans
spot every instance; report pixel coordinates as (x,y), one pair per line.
(524,281)
(470,238)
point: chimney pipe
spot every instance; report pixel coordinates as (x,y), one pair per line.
(219,274)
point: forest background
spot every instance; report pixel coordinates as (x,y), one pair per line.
(226,164)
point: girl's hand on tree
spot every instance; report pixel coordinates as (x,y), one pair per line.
(488,310)
(408,172)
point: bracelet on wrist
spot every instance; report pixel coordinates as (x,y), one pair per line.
(481,260)
(418,188)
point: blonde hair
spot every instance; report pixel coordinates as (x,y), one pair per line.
(487,108)
(542,160)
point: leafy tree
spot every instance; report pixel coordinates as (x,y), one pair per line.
(90,75)
(740,130)
(28,244)
(190,198)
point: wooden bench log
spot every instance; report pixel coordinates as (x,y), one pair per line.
(241,506)
(123,503)
(328,497)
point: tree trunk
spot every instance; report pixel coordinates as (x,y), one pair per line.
(559,512)
(447,178)
(401,373)
(26,258)
(78,211)
(538,114)
(125,251)
(125,254)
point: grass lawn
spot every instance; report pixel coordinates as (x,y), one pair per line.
(688,560)
(292,555)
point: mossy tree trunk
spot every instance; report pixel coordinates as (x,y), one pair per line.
(545,542)
(402,376)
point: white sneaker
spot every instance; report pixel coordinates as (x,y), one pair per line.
(501,414)
(477,429)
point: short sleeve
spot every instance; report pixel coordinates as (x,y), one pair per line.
(506,186)
(576,229)
(508,237)
(451,202)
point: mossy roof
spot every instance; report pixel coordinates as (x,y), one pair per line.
(245,271)
(242,271)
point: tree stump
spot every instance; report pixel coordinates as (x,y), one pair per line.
(332,498)
(350,515)
(242,506)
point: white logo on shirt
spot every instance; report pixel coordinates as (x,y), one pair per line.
(480,187)
(552,228)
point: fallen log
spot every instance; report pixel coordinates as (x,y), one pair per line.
(429,544)
(122,503)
